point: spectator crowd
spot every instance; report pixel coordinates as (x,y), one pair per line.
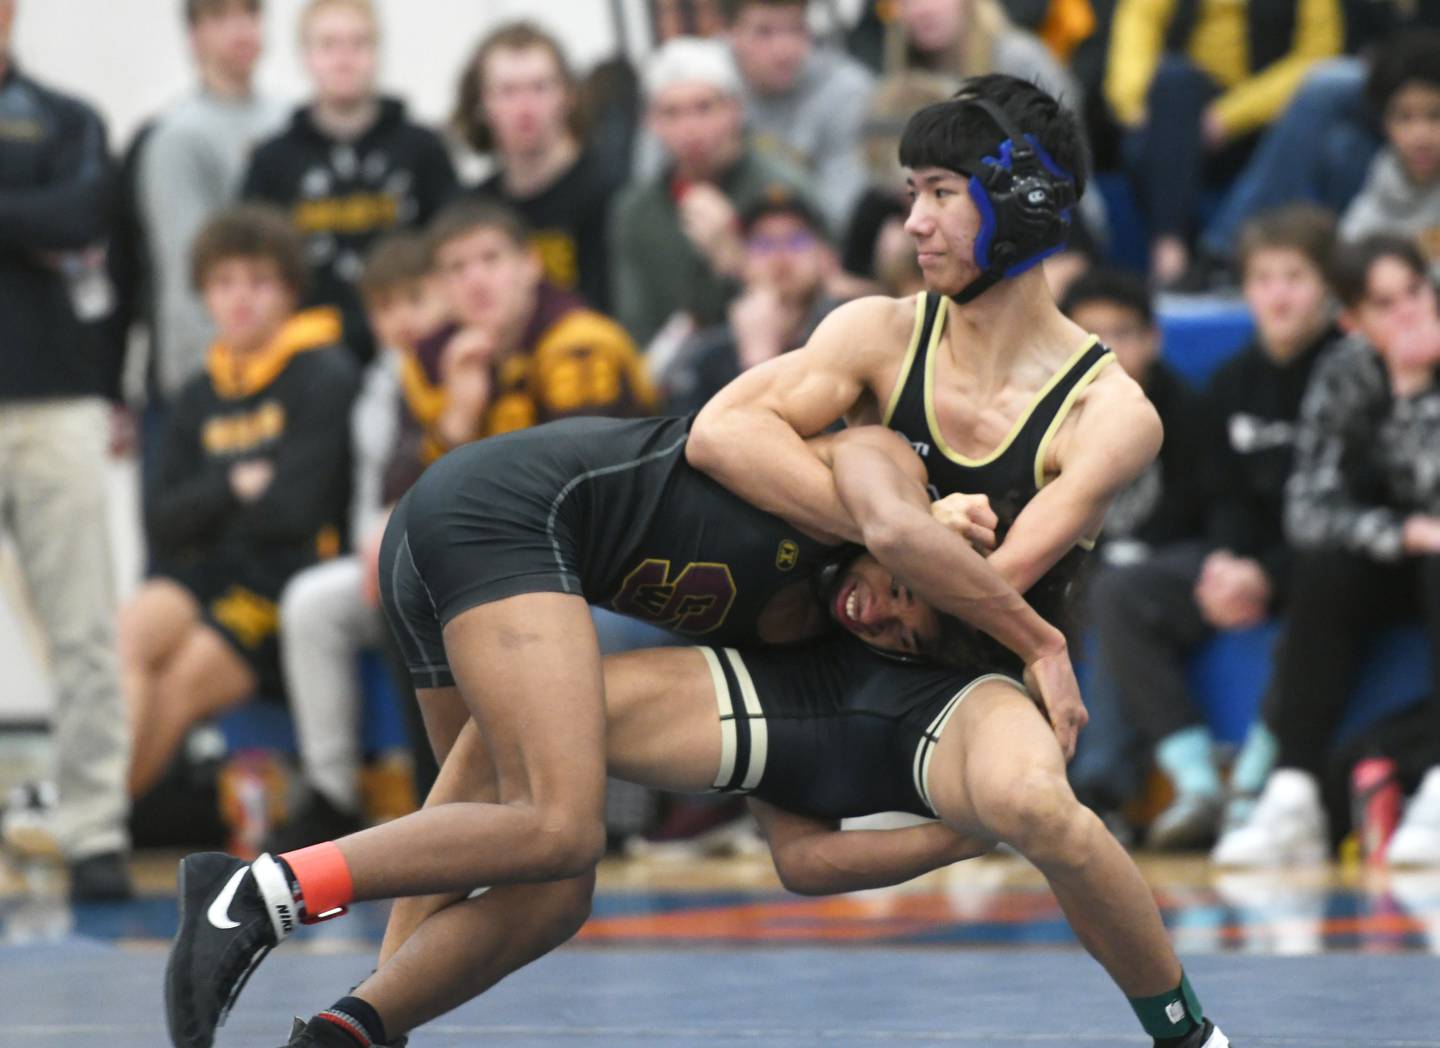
(321,307)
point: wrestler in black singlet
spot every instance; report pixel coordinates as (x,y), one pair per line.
(607,509)
(885,715)
(1014,472)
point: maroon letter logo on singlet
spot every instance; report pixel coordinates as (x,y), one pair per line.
(695,601)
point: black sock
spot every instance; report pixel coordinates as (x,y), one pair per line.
(357,1019)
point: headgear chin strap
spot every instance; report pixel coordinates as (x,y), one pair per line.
(1025,200)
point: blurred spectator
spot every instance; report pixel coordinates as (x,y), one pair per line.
(674,18)
(1062,25)
(330,612)
(517,102)
(351,165)
(252,488)
(1363,509)
(675,243)
(965,38)
(517,352)
(1402,192)
(783,299)
(1151,616)
(803,103)
(1321,147)
(54,429)
(1193,84)
(1162,511)
(876,230)
(189,167)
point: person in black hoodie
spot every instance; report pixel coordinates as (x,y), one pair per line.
(253,486)
(1159,509)
(1151,616)
(519,102)
(351,165)
(54,428)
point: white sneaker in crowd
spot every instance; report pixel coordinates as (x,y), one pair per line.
(27,821)
(1417,838)
(1287,828)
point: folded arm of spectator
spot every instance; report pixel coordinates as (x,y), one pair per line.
(1327,506)
(317,443)
(70,210)
(1256,100)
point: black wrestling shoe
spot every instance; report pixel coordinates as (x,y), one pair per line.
(1207,1036)
(301,1036)
(232,913)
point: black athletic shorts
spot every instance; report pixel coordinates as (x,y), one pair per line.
(832,728)
(239,596)
(554,509)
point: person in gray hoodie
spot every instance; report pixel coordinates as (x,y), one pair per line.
(1401,195)
(803,102)
(191,166)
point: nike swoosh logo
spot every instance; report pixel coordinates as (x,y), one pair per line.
(219,913)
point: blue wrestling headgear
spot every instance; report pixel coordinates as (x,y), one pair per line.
(1026,203)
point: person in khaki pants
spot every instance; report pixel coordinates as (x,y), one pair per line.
(54,429)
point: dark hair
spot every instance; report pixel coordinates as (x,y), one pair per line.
(1401,60)
(958,645)
(1113,286)
(953,134)
(395,260)
(781,200)
(250,231)
(1354,260)
(197,11)
(1305,228)
(468,118)
(466,216)
(731,10)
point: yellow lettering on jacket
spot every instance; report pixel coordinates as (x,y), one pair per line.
(232,434)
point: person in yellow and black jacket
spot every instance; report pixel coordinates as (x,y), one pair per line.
(1193,82)
(253,486)
(518,352)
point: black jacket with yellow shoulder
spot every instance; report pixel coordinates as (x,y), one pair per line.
(289,404)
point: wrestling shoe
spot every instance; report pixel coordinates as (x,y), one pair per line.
(232,913)
(302,1036)
(1287,828)
(1417,839)
(1207,1036)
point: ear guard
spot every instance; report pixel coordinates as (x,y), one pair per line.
(1026,204)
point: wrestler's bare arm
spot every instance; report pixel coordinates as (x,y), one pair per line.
(1114,437)
(816,857)
(750,437)
(880,483)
